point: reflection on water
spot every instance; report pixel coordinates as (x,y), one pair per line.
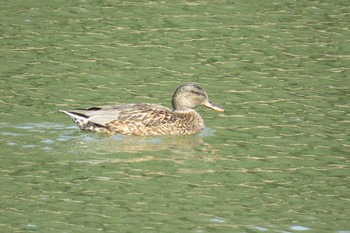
(86,142)
(121,143)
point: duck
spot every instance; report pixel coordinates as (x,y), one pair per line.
(147,119)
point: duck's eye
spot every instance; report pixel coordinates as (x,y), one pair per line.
(197,93)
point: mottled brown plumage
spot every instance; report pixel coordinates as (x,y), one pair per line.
(148,119)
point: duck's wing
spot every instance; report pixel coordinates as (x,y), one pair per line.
(145,121)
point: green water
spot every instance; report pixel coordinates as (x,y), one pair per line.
(276,161)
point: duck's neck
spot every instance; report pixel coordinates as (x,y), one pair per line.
(190,118)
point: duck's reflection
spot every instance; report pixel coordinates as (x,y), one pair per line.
(132,144)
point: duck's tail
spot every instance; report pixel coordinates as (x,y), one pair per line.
(83,121)
(78,118)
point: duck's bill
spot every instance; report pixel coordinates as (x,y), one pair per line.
(209,104)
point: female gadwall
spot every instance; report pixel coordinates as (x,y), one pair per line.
(148,119)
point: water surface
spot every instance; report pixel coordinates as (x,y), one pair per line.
(277,160)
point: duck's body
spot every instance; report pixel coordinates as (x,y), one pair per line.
(138,119)
(148,119)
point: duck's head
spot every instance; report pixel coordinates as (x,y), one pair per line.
(190,95)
